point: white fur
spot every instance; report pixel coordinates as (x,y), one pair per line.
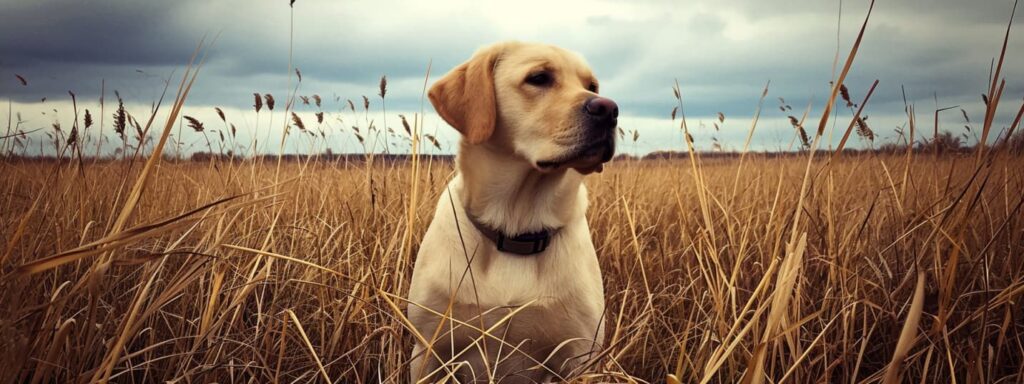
(557,295)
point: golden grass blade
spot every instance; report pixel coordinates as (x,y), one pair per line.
(140,183)
(114,240)
(56,344)
(908,334)
(995,93)
(102,373)
(1013,126)
(990,115)
(796,363)
(309,346)
(20,231)
(750,136)
(283,257)
(836,86)
(716,364)
(636,245)
(785,281)
(211,303)
(695,166)
(846,70)
(853,121)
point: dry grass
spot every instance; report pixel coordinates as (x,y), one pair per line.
(921,280)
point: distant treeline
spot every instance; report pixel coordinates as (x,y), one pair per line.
(944,144)
(199,157)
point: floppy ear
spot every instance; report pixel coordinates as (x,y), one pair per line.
(465,96)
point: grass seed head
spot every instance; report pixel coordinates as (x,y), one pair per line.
(120,117)
(405,125)
(298,122)
(845,93)
(194,123)
(270,101)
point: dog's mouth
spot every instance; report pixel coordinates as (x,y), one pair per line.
(586,159)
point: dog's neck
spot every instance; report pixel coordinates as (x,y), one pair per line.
(503,191)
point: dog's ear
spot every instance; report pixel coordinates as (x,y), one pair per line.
(465,96)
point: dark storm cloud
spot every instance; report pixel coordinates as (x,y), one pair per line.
(41,33)
(61,45)
(924,53)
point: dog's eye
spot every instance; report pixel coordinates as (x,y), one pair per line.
(592,87)
(541,79)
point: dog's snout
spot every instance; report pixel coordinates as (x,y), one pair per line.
(601,108)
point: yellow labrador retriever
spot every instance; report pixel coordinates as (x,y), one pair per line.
(506,285)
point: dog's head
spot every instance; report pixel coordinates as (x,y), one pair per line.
(539,101)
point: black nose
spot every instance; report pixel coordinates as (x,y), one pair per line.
(601,108)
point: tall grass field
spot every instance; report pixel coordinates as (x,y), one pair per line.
(905,264)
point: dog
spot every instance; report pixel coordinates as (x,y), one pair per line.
(506,285)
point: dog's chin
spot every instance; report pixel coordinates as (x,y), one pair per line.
(585,160)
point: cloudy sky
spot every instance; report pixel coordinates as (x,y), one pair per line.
(721,52)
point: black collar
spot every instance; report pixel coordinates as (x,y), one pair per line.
(525,244)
